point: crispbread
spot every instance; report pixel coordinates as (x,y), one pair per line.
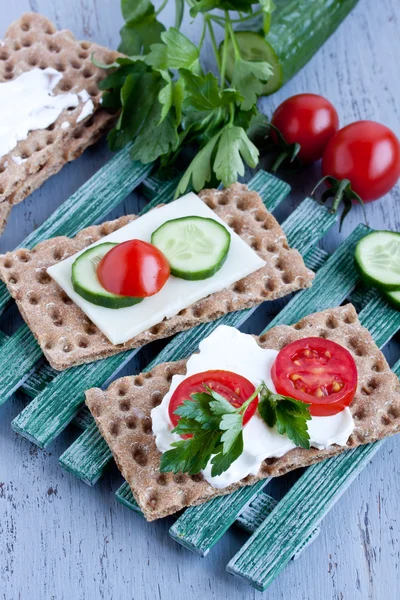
(33,41)
(68,338)
(122,413)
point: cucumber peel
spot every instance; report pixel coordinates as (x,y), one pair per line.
(195,247)
(86,284)
(377,257)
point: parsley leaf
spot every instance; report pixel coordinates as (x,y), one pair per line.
(216,429)
(141,29)
(249,78)
(233,147)
(289,415)
(199,172)
(176,52)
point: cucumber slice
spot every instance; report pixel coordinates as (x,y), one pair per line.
(254,46)
(392,298)
(195,247)
(87,285)
(378,259)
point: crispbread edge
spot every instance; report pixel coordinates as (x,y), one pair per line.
(33,41)
(122,413)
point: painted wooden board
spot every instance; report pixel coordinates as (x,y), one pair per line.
(80,542)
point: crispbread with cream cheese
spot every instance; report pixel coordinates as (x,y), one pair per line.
(122,413)
(33,41)
(68,338)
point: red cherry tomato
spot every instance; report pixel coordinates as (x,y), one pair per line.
(309,120)
(133,268)
(366,153)
(235,388)
(317,371)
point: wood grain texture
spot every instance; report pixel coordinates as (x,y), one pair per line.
(80,542)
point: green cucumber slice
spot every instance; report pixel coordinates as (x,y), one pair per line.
(196,247)
(87,285)
(254,46)
(392,298)
(378,259)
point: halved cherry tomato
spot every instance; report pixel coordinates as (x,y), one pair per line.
(309,120)
(368,155)
(233,387)
(317,371)
(133,268)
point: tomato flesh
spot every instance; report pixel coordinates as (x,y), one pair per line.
(133,268)
(316,371)
(309,120)
(368,155)
(233,387)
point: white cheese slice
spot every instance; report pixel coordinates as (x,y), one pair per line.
(123,324)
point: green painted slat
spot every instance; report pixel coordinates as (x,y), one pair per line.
(315,258)
(46,416)
(332,284)
(297,225)
(90,444)
(124,496)
(83,419)
(258,510)
(18,356)
(270,548)
(92,201)
(200,527)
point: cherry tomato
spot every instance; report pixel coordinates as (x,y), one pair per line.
(133,268)
(368,155)
(309,120)
(317,371)
(233,387)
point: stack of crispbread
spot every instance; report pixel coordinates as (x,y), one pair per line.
(30,42)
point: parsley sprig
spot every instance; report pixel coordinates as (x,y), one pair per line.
(170,108)
(216,429)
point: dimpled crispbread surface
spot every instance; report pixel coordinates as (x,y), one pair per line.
(30,42)
(68,338)
(122,413)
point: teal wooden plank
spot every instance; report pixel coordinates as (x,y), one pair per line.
(89,204)
(251,517)
(18,356)
(90,444)
(315,258)
(200,527)
(258,510)
(298,229)
(332,284)
(269,549)
(51,411)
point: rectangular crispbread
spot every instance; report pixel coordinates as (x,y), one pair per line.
(68,338)
(122,413)
(33,41)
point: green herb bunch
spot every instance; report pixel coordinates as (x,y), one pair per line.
(216,429)
(170,108)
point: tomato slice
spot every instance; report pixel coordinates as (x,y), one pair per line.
(233,387)
(317,371)
(133,268)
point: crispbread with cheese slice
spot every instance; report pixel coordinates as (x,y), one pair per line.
(122,413)
(68,338)
(33,42)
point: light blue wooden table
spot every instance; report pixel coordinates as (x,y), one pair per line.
(60,539)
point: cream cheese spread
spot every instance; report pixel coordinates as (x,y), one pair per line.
(229,349)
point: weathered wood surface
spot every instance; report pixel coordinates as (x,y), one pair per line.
(60,539)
